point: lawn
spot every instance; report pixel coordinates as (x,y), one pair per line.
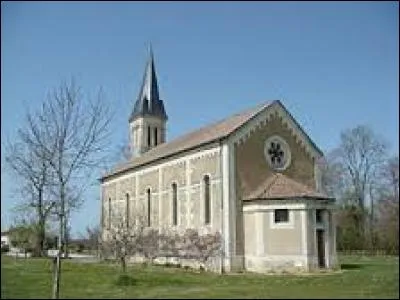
(360,277)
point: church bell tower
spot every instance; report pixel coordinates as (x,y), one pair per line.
(147,122)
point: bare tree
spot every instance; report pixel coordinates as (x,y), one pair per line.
(390,174)
(124,152)
(123,239)
(35,178)
(169,243)
(93,237)
(361,152)
(201,247)
(333,175)
(69,134)
(388,206)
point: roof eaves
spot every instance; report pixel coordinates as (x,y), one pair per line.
(302,130)
(131,168)
(291,198)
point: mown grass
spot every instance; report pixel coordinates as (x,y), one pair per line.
(360,277)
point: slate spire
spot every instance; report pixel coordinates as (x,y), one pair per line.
(148,101)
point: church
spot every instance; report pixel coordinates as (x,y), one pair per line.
(253,177)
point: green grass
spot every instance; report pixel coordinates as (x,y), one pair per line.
(360,277)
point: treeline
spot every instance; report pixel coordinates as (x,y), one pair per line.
(364,179)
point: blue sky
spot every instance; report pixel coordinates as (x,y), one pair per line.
(334,65)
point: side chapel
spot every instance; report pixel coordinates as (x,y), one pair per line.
(253,177)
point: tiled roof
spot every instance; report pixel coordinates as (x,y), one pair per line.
(192,140)
(279,186)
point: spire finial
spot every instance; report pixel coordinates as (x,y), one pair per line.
(151,51)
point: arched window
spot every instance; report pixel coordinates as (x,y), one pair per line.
(109,213)
(155,136)
(103,221)
(174,204)
(148,136)
(207,211)
(127,210)
(148,207)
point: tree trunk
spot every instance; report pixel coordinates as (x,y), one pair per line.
(123,264)
(41,236)
(57,273)
(66,252)
(372,222)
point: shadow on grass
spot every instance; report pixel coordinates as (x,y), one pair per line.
(125,280)
(350,266)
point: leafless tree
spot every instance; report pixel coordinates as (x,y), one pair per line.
(170,243)
(361,152)
(93,237)
(333,175)
(124,152)
(201,247)
(123,239)
(70,135)
(149,244)
(388,206)
(390,175)
(35,178)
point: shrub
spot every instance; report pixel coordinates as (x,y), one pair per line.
(5,248)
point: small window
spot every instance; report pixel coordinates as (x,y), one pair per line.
(319,215)
(207,212)
(281,216)
(174,204)
(148,207)
(148,136)
(155,136)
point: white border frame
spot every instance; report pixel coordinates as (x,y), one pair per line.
(286,225)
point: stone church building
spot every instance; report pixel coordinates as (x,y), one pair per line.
(253,177)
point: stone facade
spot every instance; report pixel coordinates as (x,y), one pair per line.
(146,133)
(251,239)
(188,173)
(251,163)
(238,158)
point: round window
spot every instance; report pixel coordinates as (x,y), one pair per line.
(277,153)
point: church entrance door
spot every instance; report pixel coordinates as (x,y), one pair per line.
(321,248)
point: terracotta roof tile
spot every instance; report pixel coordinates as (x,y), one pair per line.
(279,186)
(191,140)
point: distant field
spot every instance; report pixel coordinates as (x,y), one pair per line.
(361,277)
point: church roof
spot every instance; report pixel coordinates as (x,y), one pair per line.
(192,140)
(148,101)
(279,186)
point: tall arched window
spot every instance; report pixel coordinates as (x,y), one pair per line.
(103,221)
(174,204)
(148,207)
(207,212)
(127,210)
(109,213)
(155,136)
(148,136)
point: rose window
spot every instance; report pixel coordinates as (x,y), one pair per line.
(277,153)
